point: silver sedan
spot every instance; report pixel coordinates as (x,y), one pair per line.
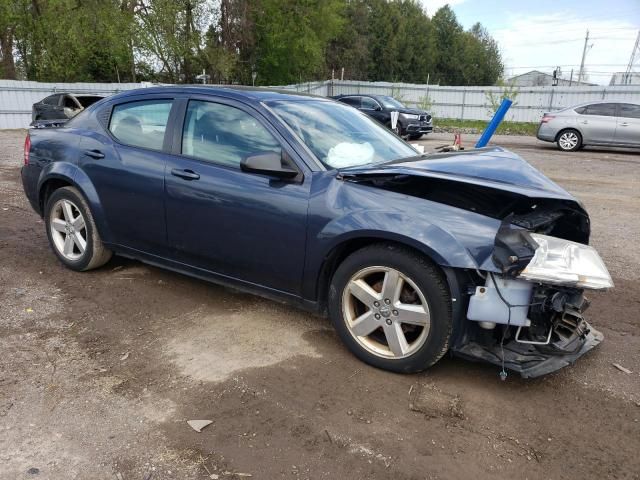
(595,123)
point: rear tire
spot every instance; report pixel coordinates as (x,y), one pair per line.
(569,140)
(392,308)
(72,232)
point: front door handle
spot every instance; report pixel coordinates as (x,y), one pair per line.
(624,124)
(186,174)
(97,154)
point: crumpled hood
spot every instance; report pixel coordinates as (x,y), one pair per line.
(494,167)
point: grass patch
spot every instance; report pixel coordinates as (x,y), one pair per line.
(505,128)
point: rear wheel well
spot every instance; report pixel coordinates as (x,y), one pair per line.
(342,251)
(566,130)
(48,188)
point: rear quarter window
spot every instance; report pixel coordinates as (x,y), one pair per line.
(142,123)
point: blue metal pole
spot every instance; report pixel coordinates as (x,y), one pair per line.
(493,124)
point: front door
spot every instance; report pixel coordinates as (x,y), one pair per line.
(236,224)
(127,169)
(598,123)
(628,129)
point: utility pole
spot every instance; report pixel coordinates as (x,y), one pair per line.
(584,54)
(634,54)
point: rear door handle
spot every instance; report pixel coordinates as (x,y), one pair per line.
(97,154)
(624,124)
(186,174)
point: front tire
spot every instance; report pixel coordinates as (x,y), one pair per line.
(72,232)
(392,308)
(415,136)
(569,140)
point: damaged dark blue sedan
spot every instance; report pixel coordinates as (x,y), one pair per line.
(307,200)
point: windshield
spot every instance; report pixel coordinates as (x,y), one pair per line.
(340,136)
(390,102)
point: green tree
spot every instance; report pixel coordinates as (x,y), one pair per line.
(292,37)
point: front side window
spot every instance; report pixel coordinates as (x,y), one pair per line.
(369,103)
(222,134)
(628,110)
(390,102)
(141,124)
(602,109)
(340,136)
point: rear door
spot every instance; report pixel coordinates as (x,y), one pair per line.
(240,225)
(598,123)
(628,121)
(126,166)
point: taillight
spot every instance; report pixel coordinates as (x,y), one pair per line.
(27,147)
(547,118)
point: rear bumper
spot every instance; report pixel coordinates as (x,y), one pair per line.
(546,133)
(30,175)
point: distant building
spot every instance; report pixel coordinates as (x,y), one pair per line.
(622,78)
(535,78)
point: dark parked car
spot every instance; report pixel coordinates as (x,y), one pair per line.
(307,200)
(62,106)
(412,122)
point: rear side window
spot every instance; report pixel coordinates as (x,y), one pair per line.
(353,101)
(51,100)
(603,109)
(222,134)
(628,110)
(141,124)
(69,102)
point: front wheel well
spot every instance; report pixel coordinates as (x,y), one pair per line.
(48,188)
(340,252)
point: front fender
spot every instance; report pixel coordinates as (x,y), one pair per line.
(440,245)
(72,174)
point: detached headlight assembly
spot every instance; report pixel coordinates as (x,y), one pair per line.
(562,262)
(411,116)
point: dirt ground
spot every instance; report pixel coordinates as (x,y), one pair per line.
(100,371)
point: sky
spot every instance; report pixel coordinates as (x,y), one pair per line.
(543,34)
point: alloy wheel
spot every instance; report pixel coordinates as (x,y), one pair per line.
(68,229)
(386,312)
(568,140)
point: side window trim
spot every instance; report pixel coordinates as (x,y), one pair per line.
(167,140)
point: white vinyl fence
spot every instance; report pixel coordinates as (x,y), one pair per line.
(475,103)
(468,103)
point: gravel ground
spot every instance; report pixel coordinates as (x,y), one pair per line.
(100,371)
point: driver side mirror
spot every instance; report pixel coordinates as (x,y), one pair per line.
(267,164)
(378,108)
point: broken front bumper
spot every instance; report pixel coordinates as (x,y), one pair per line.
(525,359)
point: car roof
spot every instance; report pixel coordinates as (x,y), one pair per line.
(251,94)
(595,102)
